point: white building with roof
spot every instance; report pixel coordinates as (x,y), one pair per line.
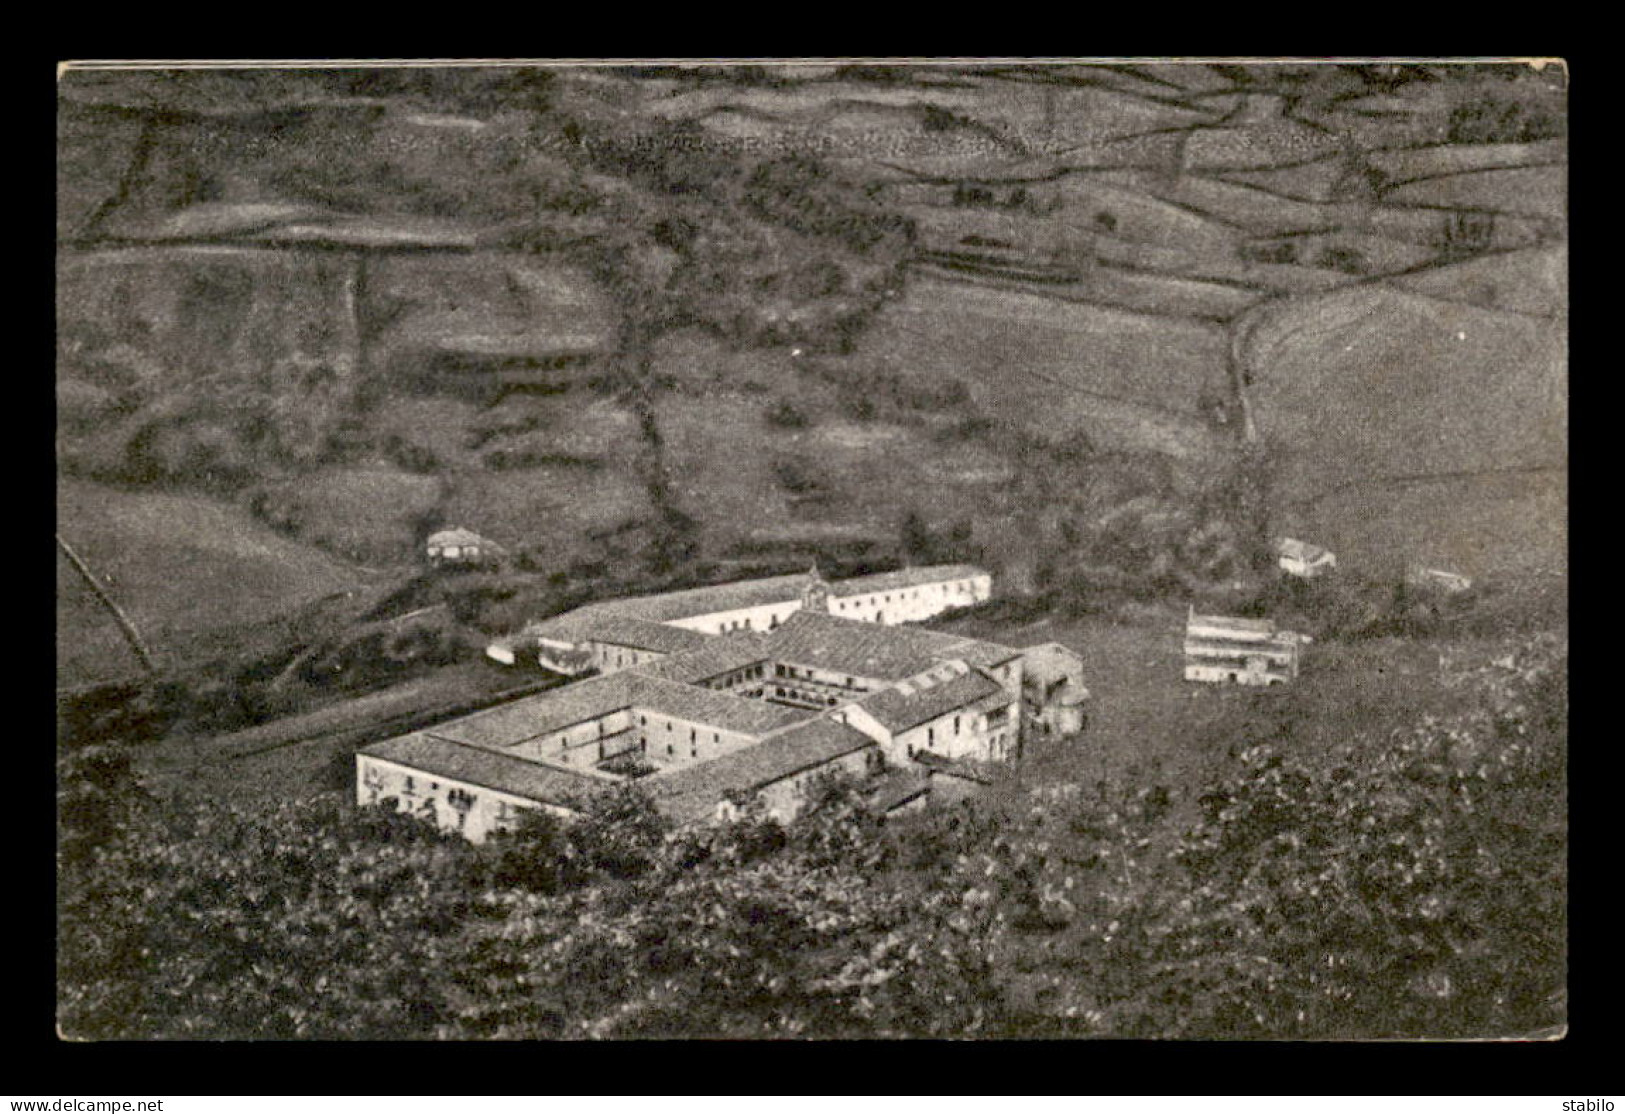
(1303,559)
(1057,700)
(1221,649)
(457,546)
(1441,580)
(618,634)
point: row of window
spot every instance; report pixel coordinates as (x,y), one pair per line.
(867,601)
(693,733)
(671,748)
(804,697)
(960,586)
(461,800)
(995,718)
(627,658)
(745,624)
(752,673)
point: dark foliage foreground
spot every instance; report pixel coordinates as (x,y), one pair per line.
(1406,886)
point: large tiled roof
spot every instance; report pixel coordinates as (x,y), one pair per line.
(694,790)
(863,649)
(509,724)
(488,768)
(720,654)
(1277,647)
(571,626)
(983,655)
(1052,663)
(1226,626)
(906,706)
(620,630)
(602,623)
(715,709)
(690,602)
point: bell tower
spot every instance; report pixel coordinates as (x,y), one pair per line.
(815,597)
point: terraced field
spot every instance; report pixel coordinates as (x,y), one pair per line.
(1056,367)
(1374,383)
(1090,244)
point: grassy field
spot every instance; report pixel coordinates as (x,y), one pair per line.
(1507,526)
(1410,163)
(1534,281)
(739,474)
(1532,191)
(1050,365)
(1148,724)
(451,301)
(1139,216)
(368,515)
(1245,208)
(439,426)
(1266,139)
(1374,383)
(90,648)
(556,507)
(1119,286)
(294,757)
(1313,180)
(184,568)
(881,122)
(1352,255)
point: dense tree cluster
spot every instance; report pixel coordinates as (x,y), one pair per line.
(1402,886)
(1122,529)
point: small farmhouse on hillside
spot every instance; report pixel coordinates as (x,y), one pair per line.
(457,546)
(1439,580)
(1300,558)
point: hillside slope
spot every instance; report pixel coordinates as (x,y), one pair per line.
(1412,419)
(186,569)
